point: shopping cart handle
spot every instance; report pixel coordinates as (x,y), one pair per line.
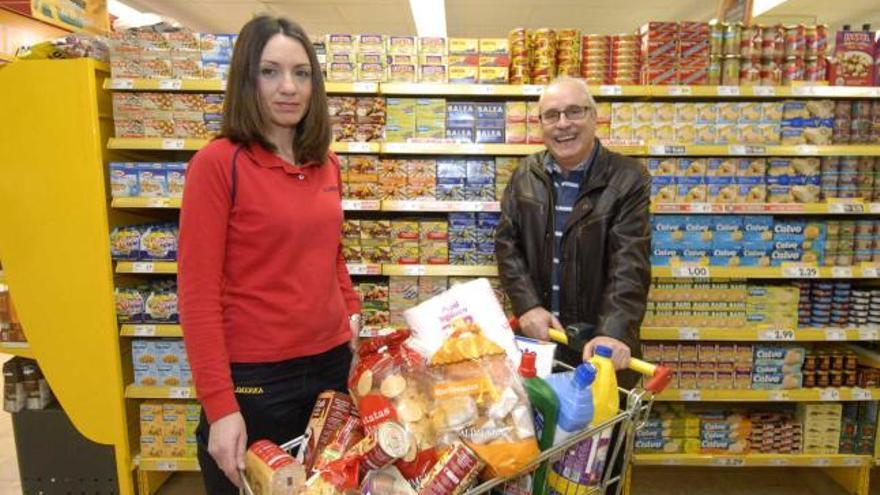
(660,375)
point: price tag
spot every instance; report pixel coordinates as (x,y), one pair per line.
(874,207)
(689,395)
(671,462)
(829,394)
(357,269)
(842,272)
(365,87)
(687,333)
(484,89)
(861,394)
(764,90)
(805,149)
(166,466)
(359,147)
(170,84)
(473,148)
(172,144)
(122,84)
(852,461)
(532,90)
(778,462)
(870,271)
(691,271)
(803,90)
(145,330)
(800,271)
(159,202)
(607,90)
(846,208)
(821,462)
(776,334)
(179,393)
(701,207)
(223,85)
(415,270)
(729,461)
(668,150)
(394,147)
(869,334)
(779,396)
(728,90)
(835,334)
(142,267)
(680,91)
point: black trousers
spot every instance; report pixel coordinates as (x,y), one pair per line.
(276,402)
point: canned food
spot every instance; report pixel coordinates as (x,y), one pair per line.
(810,44)
(851,361)
(809,379)
(837,360)
(730,70)
(732,39)
(714,71)
(836,379)
(772,40)
(823,360)
(389,443)
(822,379)
(795,41)
(821,40)
(716,38)
(792,70)
(771,73)
(810,362)
(750,71)
(750,41)
(850,378)
(815,69)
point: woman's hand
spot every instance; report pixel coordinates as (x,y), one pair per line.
(227,442)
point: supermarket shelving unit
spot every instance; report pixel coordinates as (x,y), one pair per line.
(72,203)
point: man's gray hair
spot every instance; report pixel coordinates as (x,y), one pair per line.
(570,80)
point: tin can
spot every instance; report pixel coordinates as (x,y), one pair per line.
(836,378)
(851,361)
(810,362)
(815,69)
(750,71)
(714,71)
(822,379)
(771,72)
(750,41)
(716,38)
(861,109)
(387,444)
(821,40)
(850,378)
(795,41)
(837,361)
(792,70)
(823,360)
(732,39)
(730,70)
(809,379)
(772,41)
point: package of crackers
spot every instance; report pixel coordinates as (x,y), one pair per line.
(331,412)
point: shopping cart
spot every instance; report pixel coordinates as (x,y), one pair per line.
(563,467)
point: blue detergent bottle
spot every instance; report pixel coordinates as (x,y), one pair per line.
(575,395)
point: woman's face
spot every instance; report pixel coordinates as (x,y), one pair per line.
(284,81)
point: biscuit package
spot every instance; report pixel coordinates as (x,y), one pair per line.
(479,398)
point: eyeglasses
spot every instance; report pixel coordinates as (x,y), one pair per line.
(571,113)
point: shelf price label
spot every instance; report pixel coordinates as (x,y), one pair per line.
(691,271)
(835,334)
(122,84)
(688,333)
(779,396)
(144,330)
(159,202)
(870,271)
(166,466)
(861,394)
(179,393)
(172,144)
(689,395)
(776,334)
(800,271)
(170,84)
(746,149)
(821,462)
(671,462)
(365,87)
(829,394)
(764,91)
(846,208)
(729,461)
(852,461)
(143,267)
(869,334)
(842,272)
(359,147)
(680,91)
(803,90)
(701,207)
(473,148)
(395,147)
(363,269)
(484,89)
(779,461)
(668,149)
(874,207)
(610,90)
(804,149)
(728,90)
(532,90)
(415,270)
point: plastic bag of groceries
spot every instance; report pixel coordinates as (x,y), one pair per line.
(478,396)
(390,383)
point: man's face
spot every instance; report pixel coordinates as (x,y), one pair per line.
(569,140)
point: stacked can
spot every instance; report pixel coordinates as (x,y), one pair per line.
(865,237)
(862,122)
(660,49)
(861,303)
(716,47)
(750,53)
(568,52)
(875,120)
(842,122)
(848,177)
(694,53)
(520,55)
(816,53)
(865,178)
(625,59)
(543,55)
(805,308)
(830,368)
(846,244)
(832,242)
(595,58)
(772,53)
(830,169)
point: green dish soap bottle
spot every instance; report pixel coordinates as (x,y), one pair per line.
(545,407)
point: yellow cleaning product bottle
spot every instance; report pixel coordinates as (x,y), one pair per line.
(606,399)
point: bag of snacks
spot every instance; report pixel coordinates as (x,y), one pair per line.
(390,384)
(478,396)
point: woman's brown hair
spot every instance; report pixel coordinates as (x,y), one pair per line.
(243,116)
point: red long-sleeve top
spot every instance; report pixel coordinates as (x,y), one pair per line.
(261,278)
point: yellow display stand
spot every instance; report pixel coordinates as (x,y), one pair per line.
(54,226)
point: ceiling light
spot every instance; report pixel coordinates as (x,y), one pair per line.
(761,6)
(429,16)
(129,17)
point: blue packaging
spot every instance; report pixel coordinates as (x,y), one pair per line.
(460,114)
(757,228)
(481,171)
(489,135)
(662,256)
(727,228)
(490,111)
(725,254)
(460,134)
(124,180)
(152,180)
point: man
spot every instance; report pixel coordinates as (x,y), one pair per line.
(574,238)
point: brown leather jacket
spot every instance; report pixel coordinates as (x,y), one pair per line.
(606,270)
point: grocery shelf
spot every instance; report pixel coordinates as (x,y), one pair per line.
(156,144)
(852,207)
(167,463)
(441,270)
(759,334)
(794,395)
(753,460)
(150,330)
(20,349)
(156,392)
(671,149)
(146,267)
(145,203)
(800,91)
(791,270)
(166,84)
(350,147)
(452,206)
(439,89)
(460,149)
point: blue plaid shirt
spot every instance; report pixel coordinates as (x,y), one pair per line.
(567,188)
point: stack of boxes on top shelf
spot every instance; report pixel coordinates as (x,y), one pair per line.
(143,53)
(675,53)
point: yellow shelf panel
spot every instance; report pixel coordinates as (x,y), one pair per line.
(156,392)
(795,395)
(790,271)
(753,460)
(170,464)
(356,147)
(364,269)
(802,91)
(146,267)
(20,349)
(836,208)
(441,206)
(145,203)
(361,205)
(363,88)
(460,89)
(170,144)
(460,149)
(672,149)
(441,270)
(151,330)
(758,334)
(166,84)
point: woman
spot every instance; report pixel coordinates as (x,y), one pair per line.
(267,305)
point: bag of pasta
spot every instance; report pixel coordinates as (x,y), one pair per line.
(478,396)
(390,383)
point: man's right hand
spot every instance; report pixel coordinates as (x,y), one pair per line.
(535,322)
(227,442)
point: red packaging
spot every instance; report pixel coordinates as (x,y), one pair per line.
(750,71)
(795,40)
(771,73)
(693,75)
(694,50)
(750,41)
(815,69)
(662,75)
(690,30)
(854,59)
(655,28)
(454,472)
(772,41)
(821,40)
(793,70)
(331,411)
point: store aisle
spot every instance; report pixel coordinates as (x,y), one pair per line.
(9,481)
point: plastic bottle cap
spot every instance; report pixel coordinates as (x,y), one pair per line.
(584,375)
(604,351)
(527,365)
